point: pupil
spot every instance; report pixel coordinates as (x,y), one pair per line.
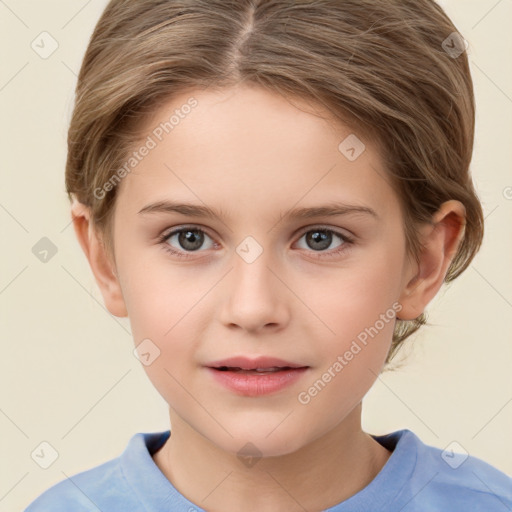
(321,238)
(190,240)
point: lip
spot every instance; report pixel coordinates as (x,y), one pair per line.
(251,384)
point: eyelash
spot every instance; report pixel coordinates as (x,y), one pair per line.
(347,241)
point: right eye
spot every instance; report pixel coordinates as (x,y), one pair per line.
(187,240)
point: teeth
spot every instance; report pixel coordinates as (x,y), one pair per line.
(260,370)
(256,370)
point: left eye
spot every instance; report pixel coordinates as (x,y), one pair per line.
(321,239)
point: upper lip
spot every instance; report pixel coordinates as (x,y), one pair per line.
(248,363)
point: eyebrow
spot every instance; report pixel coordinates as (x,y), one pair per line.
(194,210)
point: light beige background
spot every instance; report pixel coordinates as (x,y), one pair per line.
(68,374)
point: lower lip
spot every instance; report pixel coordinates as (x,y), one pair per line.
(257,385)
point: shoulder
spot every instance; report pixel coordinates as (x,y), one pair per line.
(104,487)
(85,491)
(453,478)
(81,490)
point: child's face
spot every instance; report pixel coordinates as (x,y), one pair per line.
(252,156)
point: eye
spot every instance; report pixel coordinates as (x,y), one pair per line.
(186,240)
(321,238)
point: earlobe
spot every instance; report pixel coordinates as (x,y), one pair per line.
(440,241)
(103,269)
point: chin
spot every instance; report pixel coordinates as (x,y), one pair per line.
(248,440)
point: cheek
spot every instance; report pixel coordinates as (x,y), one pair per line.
(158,297)
(359,307)
(162,315)
(165,309)
(350,359)
(353,299)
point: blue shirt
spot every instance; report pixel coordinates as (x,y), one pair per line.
(416,477)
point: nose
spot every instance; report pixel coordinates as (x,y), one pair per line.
(254,296)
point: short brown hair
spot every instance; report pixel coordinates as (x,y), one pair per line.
(378,66)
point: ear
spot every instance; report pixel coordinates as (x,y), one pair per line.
(440,241)
(101,265)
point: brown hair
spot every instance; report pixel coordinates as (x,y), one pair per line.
(381,67)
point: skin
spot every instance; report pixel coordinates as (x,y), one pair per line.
(254,155)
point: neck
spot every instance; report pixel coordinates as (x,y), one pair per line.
(320,475)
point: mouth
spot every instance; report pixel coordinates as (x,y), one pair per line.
(254,365)
(256,376)
(257,371)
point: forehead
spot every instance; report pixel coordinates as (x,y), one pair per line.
(253,148)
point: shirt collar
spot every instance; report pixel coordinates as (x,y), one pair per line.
(156,493)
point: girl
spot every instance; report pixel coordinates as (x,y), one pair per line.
(272,192)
